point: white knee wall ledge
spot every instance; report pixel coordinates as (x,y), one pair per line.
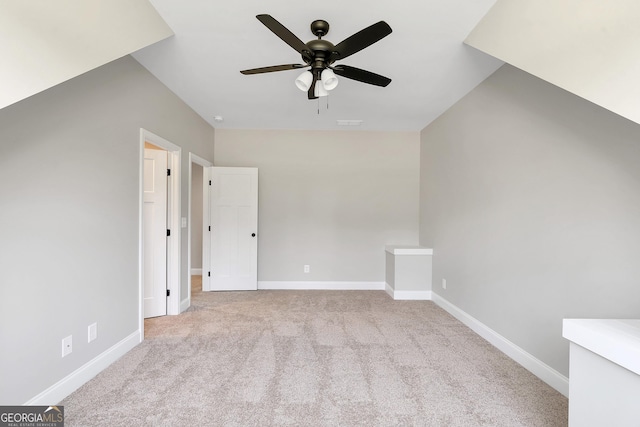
(408,272)
(604,360)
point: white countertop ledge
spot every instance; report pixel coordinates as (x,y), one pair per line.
(408,250)
(617,340)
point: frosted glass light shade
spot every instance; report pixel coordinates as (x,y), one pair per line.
(319,90)
(304,81)
(329,79)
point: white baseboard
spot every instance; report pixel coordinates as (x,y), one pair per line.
(185,304)
(388,289)
(342,286)
(407,295)
(80,376)
(196,272)
(537,367)
(412,295)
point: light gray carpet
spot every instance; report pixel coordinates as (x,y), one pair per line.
(313,358)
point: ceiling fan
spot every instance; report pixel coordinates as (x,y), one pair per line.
(320,54)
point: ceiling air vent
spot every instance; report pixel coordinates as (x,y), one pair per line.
(349,122)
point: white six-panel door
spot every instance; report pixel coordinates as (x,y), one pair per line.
(233,214)
(155,232)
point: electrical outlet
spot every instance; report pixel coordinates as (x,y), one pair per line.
(306,268)
(67,345)
(444,283)
(92,332)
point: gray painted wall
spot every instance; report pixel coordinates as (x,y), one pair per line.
(69,168)
(530,197)
(331,200)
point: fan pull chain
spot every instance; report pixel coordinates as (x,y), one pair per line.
(318,106)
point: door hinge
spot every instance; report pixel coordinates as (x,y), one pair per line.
(209,274)
(209,228)
(209,182)
(168,292)
(168,233)
(168,172)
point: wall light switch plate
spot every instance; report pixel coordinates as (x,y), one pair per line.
(92,332)
(184,222)
(306,268)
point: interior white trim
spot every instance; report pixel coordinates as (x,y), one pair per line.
(412,295)
(86,372)
(537,367)
(185,304)
(388,289)
(311,285)
(174,243)
(407,295)
(408,250)
(193,158)
(206,222)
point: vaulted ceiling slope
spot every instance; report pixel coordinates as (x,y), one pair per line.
(587,47)
(44,43)
(425,57)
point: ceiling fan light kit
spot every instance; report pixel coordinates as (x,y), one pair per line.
(319,55)
(320,90)
(304,81)
(329,79)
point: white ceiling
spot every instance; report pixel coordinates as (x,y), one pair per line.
(425,57)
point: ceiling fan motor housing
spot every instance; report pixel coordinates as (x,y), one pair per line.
(320,53)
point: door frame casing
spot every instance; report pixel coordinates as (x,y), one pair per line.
(174,156)
(193,158)
(206,235)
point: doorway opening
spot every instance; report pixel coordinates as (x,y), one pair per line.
(173,224)
(155,231)
(198,198)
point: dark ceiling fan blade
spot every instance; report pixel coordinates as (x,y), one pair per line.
(363,76)
(273,68)
(281,31)
(362,39)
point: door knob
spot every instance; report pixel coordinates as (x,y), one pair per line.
(253,234)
